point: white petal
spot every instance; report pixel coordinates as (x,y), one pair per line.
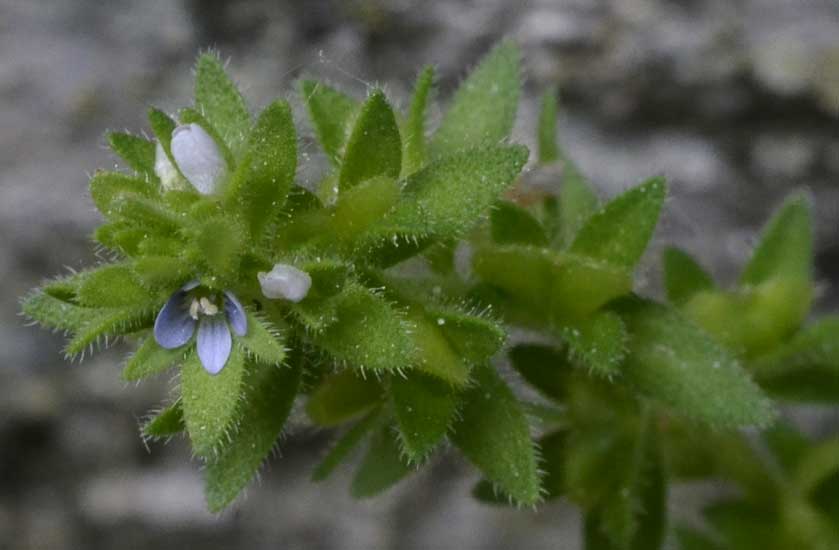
(285,281)
(164,169)
(198,157)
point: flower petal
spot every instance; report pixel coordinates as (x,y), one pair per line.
(198,157)
(214,343)
(164,169)
(235,314)
(285,281)
(174,326)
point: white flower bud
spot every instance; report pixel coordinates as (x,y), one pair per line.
(285,281)
(198,157)
(165,170)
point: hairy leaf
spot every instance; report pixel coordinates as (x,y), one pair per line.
(342,397)
(413,139)
(166,423)
(262,341)
(425,408)
(374,148)
(210,402)
(136,151)
(151,359)
(449,196)
(382,467)
(490,409)
(618,234)
(107,187)
(113,285)
(512,224)
(330,112)
(266,174)
(269,396)
(484,106)
(345,445)
(672,360)
(369,334)
(786,247)
(218,99)
(598,343)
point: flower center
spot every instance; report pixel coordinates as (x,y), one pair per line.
(204,305)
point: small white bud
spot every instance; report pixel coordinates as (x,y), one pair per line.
(198,157)
(164,169)
(285,281)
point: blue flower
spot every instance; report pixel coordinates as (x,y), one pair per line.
(215,316)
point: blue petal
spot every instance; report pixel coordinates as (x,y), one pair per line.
(214,343)
(235,314)
(174,326)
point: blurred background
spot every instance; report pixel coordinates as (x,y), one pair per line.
(735,101)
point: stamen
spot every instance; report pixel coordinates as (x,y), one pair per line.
(207,307)
(193,309)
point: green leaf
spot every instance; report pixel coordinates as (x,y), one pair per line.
(425,408)
(161,272)
(752,320)
(113,285)
(413,139)
(807,367)
(149,214)
(362,206)
(220,241)
(543,367)
(598,343)
(672,360)
(107,187)
(548,151)
(553,449)
(434,354)
(618,234)
(382,467)
(162,125)
(475,338)
(343,396)
(369,334)
(484,107)
(166,423)
(210,401)
(151,359)
(450,196)
(106,324)
(786,248)
(345,445)
(330,112)
(220,101)
(266,405)
(137,152)
(490,409)
(557,286)
(512,224)
(683,276)
(263,342)
(577,203)
(266,174)
(374,147)
(52,312)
